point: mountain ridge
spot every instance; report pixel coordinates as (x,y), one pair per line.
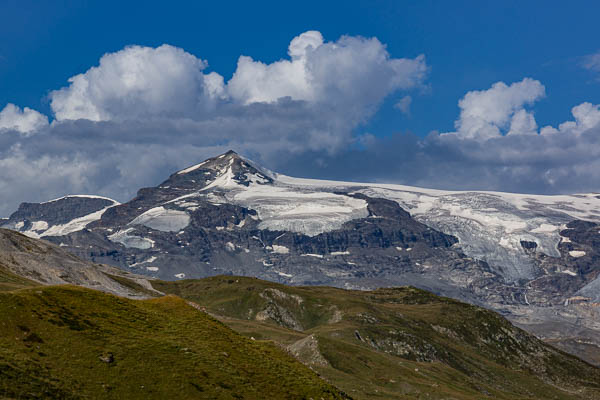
(394,342)
(26,262)
(532,257)
(400,342)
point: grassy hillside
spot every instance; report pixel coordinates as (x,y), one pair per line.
(70,342)
(395,343)
(11,281)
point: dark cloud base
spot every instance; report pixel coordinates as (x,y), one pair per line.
(116,159)
(534,164)
(144,113)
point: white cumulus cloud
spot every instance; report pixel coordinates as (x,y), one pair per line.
(522,123)
(350,76)
(353,73)
(139,82)
(488,113)
(143,112)
(587,116)
(23,120)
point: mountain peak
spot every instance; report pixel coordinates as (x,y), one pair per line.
(220,159)
(225,170)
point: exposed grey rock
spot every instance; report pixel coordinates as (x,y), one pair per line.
(48,264)
(523,255)
(307,351)
(57,217)
(60,211)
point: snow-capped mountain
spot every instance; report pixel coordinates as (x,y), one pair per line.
(532,257)
(58,217)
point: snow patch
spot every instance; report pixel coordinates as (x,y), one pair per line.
(340,253)
(280,249)
(180,276)
(192,168)
(510,243)
(153,269)
(568,272)
(126,240)
(151,259)
(162,219)
(224,180)
(187,204)
(229,246)
(75,225)
(82,196)
(39,226)
(577,253)
(545,228)
(312,255)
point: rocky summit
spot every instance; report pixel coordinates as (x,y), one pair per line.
(533,258)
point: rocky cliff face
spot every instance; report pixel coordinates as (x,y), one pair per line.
(57,217)
(43,263)
(534,258)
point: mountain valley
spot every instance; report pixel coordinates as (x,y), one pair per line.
(66,341)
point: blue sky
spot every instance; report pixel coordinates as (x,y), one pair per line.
(468,44)
(543,57)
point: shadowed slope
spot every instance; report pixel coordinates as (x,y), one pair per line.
(25,262)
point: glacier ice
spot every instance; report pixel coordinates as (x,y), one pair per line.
(162,219)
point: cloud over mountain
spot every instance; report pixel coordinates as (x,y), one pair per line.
(506,153)
(144,112)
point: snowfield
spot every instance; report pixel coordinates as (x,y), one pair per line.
(280,206)
(128,240)
(479,219)
(162,219)
(489,225)
(311,213)
(40,229)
